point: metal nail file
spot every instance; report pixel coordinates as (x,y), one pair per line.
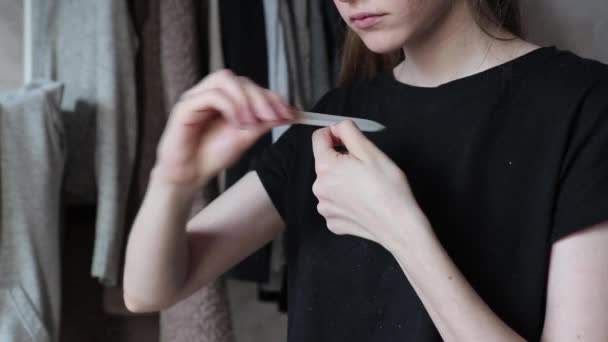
(318,119)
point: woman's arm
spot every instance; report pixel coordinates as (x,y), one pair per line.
(577,293)
(577,302)
(168,259)
(457,310)
(208,130)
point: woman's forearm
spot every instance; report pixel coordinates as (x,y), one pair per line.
(457,310)
(156,265)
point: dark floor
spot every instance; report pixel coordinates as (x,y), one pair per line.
(83,316)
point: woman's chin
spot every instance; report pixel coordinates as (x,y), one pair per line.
(383,48)
(381,45)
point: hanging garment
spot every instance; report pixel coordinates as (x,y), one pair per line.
(152,111)
(216,54)
(182,66)
(169,62)
(32,160)
(300,19)
(319,53)
(313,69)
(296,91)
(90,46)
(278,74)
(204,316)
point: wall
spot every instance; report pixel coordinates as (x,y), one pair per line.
(580,26)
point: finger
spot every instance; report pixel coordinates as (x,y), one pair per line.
(213,80)
(353,139)
(262,107)
(195,109)
(280,105)
(231,84)
(248,135)
(323,145)
(192,114)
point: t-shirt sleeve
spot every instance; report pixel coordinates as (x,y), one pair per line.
(275,163)
(582,199)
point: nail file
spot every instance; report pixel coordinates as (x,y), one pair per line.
(318,119)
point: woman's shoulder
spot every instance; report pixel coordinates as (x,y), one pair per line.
(570,71)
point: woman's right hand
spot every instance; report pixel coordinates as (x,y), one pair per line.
(213,124)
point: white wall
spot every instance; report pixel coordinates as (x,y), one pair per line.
(580,26)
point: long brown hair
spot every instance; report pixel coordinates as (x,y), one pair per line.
(359,62)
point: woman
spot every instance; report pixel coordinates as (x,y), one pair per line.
(480,214)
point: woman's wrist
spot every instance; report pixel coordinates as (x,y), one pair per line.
(169,185)
(409,228)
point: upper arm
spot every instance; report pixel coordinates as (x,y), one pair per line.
(234,225)
(577,290)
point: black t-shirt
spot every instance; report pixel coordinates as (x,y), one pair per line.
(503,163)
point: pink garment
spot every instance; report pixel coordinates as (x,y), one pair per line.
(201,317)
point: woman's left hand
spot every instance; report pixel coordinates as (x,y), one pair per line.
(361,192)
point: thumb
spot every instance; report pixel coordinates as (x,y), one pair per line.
(323,143)
(353,139)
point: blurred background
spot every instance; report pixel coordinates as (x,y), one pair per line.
(85,88)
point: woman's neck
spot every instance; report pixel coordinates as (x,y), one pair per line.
(456,47)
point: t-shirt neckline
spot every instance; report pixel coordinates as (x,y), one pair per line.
(528,59)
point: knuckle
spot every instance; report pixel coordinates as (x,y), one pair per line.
(316,134)
(316,188)
(274,96)
(205,79)
(213,92)
(231,108)
(199,84)
(254,93)
(177,107)
(184,96)
(334,228)
(246,80)
(225,77)
(216,76)
(231,111)
(323,209)
(321,168)
(225,73)
(320,208)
